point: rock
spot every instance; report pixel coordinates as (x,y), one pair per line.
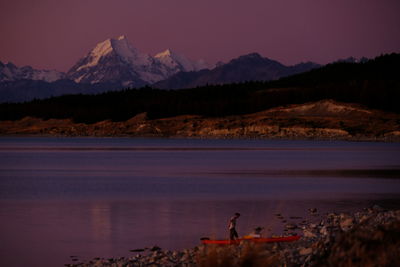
(309,234)
(312,210)
(185,257)
(346,224)
(155,248)
(324,230)
(291,226)
(376,208)
(364,218)
(137,250)
(305,251)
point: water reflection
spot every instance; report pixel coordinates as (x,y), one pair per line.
(103,197)
(101,221)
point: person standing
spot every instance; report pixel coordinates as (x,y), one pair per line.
(232,227)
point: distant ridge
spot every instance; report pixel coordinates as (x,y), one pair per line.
(251,67)
(115,64)
(374,84)
(9,73)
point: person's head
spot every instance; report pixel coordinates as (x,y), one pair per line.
(237,214)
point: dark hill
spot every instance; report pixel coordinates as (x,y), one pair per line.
(374,84)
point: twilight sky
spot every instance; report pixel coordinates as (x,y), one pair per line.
(54,34)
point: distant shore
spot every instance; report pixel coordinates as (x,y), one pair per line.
(322,120)
(365,238)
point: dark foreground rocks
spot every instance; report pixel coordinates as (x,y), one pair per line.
(367,238)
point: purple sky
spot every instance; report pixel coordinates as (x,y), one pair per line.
(54,34)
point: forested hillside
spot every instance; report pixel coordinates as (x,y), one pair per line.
(375,84)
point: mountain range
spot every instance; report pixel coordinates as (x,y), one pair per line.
(115,64)
(374,84)
(116,60)
(9,72)
(251,67)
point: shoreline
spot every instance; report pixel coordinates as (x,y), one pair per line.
(365,238)
(321,120)
(393,139)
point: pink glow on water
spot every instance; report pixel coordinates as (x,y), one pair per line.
(101,197)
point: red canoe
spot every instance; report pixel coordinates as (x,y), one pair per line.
(256,240)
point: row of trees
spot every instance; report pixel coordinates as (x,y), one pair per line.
(375,84)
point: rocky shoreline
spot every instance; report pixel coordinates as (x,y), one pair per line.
(367,238)
(322,120)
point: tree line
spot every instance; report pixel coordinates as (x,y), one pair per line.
(375,84)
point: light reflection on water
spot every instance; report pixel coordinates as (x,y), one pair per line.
(101,197)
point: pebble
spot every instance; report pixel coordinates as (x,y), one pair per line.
(312,210)
(309,234)
(324,230)
(305,251)
(291,226)
(346,224)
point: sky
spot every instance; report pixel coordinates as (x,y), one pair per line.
(55,34)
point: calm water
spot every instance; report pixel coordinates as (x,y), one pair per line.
(91,197)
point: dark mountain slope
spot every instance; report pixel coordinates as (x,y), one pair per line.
(251,67)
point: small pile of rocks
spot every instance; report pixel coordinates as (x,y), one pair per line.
(337,239)
(154,256)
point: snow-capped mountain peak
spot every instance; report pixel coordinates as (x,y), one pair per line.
(174,60)
(177,61)
(121,47)
(129,53)
(116,60)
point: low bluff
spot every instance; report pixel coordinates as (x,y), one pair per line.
(324,119)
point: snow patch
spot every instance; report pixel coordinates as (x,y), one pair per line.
(10,72)
(174,60)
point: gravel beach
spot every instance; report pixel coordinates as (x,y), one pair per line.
(366,238)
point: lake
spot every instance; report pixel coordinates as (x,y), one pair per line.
(88,197)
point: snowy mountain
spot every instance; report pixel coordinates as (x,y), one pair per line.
(9,72)
(176,62)
(115,64)
(116,60)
